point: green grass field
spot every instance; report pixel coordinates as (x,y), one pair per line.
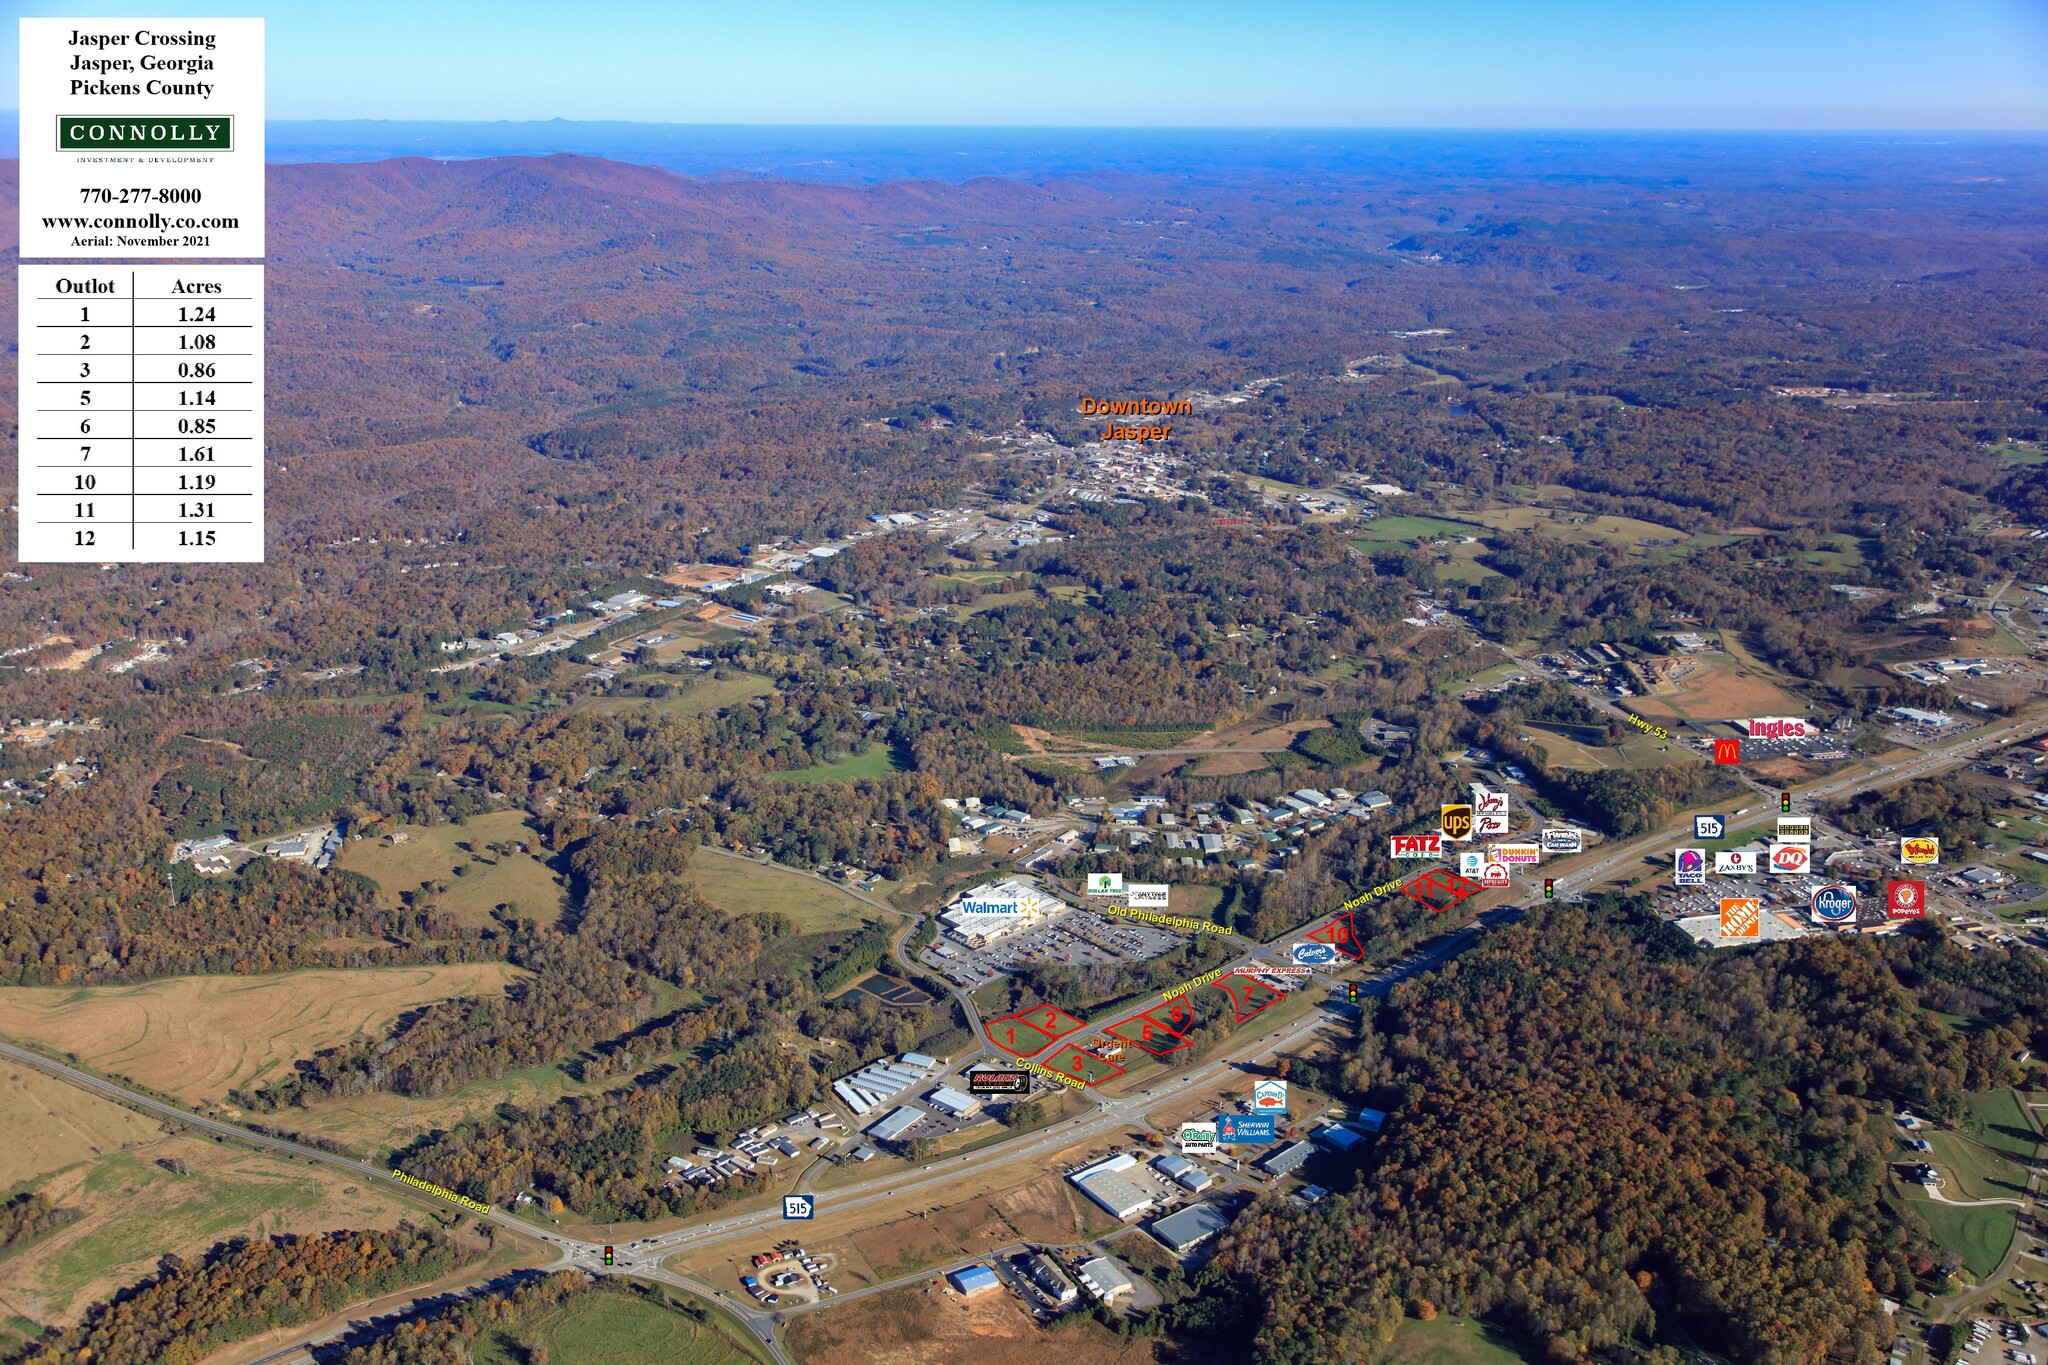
(1399,533)
(745,887)
(1455,1341)
(607,1327)
(1980,1235)
(2004,1127)
(877,761)
(477,879)
(699,698)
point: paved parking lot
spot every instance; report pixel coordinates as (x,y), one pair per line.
(1071,938)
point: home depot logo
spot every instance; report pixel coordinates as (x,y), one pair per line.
(1740,917)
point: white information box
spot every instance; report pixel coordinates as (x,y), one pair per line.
(141,138)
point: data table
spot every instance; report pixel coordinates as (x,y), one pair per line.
(141,402)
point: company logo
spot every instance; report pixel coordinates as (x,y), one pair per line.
(799,1206)
(1025,906)
(1489,826)
(182,133)
(1269,1097)
(1457,823)
(1495,874)
(1146,895)
(1741,863)
(1312,954)
(1924,851)
(1727,751)
(1709,826)
(1740,916)
(1834,905)
(1780,727)
(1563,840)
(1692,867)
(1489,802)
(1105,883)
(1470,864)
(1234,1129)
(1905,900)
(998,1082)
(1795,829)
(1517,855)
(1790,859)
(1197,1139)
(1416,846)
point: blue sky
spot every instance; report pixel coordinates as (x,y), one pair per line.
(1946,64)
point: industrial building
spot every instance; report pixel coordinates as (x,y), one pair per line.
(974,1279)
(1102,1278)
(873,1086)
(1288,1159)
(1338,1138)
(1182,1232)
(1117,1196)
(899,1122)
(1053,1280)
(947,1100)
(995,910)
(1184,1172)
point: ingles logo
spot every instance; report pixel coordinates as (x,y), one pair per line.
(1740,917)
(1457,822)
(1923,851)
(1780,727)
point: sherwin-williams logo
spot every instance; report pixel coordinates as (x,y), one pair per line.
(179,133)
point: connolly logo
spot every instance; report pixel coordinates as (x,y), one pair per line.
(212,132)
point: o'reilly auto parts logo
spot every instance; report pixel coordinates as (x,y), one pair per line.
(163,133)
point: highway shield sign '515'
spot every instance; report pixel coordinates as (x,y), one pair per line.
(1457,822)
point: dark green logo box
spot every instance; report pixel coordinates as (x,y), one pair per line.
(161,133)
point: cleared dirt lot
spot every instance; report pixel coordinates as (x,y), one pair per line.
(912,1327)
(198,1037)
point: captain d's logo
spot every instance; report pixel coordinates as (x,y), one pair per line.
(1457,822)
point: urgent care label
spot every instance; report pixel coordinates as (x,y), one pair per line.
(141,138)
(141,413)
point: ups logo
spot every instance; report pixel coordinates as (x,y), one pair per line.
(1457,822)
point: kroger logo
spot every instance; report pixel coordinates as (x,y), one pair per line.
(1834,904)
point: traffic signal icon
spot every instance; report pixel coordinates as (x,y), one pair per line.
(607,1255)
(1351,992)
(1784,803)
(1549,888)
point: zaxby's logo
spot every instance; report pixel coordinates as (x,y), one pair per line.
(1922,850)
(1416,846)
(1457,822)
(1790,859)
(1740,862)
(1834,905)
(1780,727)
(1905,900)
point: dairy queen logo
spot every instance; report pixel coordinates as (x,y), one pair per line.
(1834,905)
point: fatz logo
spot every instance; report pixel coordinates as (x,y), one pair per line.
(1416,846)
